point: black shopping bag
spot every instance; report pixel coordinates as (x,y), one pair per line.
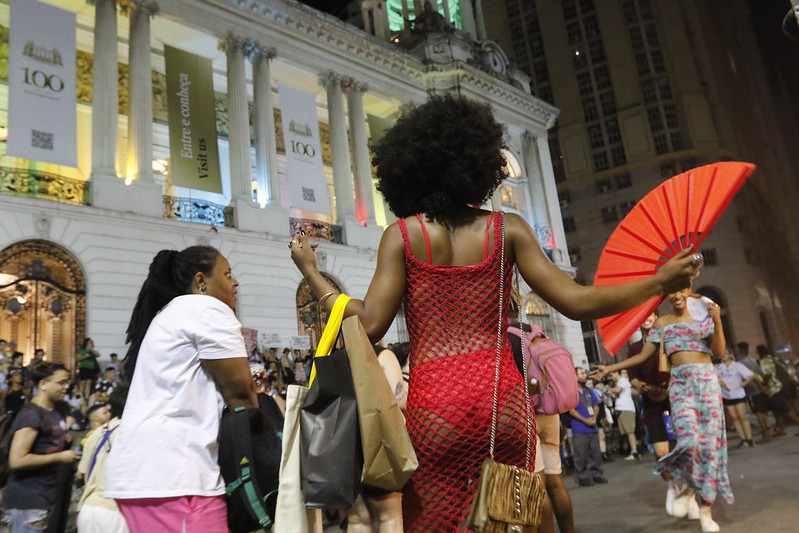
(331,457)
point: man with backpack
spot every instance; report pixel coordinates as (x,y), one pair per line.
(36,449)
(775,389)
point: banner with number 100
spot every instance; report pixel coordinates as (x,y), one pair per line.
(305,172)
(42,110)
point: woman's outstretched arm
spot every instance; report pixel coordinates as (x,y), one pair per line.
(580,302)
(386,290)
(646,352)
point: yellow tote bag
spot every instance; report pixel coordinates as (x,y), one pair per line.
(330,334)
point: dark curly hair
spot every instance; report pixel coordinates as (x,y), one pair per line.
(439,157)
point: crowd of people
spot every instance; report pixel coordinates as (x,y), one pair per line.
(154,465)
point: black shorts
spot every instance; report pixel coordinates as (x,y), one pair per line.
(656,432)
(778,403)
(734,401)
(758,403)
(87,373)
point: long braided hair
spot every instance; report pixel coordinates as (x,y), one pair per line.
(170,275)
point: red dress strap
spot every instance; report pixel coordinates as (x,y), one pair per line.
(426,240)
(489,218)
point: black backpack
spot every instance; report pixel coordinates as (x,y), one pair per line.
(250,443)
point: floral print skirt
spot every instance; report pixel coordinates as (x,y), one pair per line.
(700,456)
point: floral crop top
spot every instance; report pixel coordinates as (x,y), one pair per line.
(684,336)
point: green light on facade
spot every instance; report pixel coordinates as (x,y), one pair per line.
(397,23)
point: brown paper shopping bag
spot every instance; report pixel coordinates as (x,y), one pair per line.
(389,459)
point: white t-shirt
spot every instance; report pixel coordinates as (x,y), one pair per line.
(625,400)
(167,441)
(733,376)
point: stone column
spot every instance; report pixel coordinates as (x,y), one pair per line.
(467,16)
(138,192)
(532,164)
(238,120)
(342,175)
(264,119)
(105,90)
(364,201)
(479,20)
(447,14)
(140,91)
(546,209)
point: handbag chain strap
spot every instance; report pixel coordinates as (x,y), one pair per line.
(495,402)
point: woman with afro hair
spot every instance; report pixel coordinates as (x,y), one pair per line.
(436,167)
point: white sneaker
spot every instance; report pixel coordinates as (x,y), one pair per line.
(693,509)
(706,521)
(630,457)
(679,507)
(671,492)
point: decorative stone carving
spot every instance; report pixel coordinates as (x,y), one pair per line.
(149,7)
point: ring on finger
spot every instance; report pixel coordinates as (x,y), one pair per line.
(697,259)
(292,241)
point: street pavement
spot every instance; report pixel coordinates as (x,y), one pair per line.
(765,481)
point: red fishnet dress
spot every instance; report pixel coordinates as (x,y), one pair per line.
(452,315)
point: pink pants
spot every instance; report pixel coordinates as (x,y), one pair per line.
(184,514)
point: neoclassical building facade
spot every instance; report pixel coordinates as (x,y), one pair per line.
(75,242)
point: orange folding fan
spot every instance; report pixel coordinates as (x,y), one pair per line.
(678,213)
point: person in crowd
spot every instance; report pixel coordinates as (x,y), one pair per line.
(264,385)
(625,411)
(3,348)
(103,388)
(287,366)
(548,442)
(186,359)
(376,509)
(699,460)
(775,391)
(15,397)
(4,375)
(88,367)
(38,357)
(735,377)
(605,428)
(587,457)
(300,376)
(401,350)
(96,513)
(656,411)
(97,415)
(113,363)
(39,448)
(757,398)
(604,425)
(17,366)
(443,257)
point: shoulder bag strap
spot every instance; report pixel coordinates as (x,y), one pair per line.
(495,400)
(97,450)
(242,448)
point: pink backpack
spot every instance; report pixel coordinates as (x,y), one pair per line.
(553,367)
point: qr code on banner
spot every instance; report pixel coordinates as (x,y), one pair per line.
(309,195)
(41,139)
